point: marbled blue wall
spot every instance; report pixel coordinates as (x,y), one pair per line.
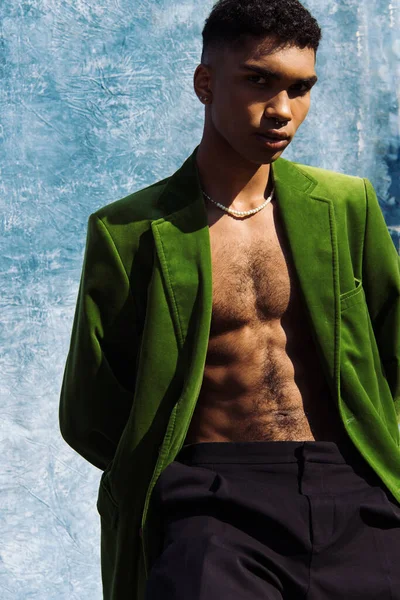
(96,101)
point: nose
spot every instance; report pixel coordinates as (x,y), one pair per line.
(279,107)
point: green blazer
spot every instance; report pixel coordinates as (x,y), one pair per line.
(141,329)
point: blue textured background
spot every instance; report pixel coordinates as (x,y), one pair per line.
(96,101)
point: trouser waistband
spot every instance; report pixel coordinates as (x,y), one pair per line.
(267,452)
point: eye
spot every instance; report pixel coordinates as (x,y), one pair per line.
(302,88)
(256,77)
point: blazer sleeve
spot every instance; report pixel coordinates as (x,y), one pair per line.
(381,281)
(98,384)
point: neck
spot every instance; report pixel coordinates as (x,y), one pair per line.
(231,180)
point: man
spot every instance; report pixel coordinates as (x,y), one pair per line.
(234,361)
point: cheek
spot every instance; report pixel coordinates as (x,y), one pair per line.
(300,110)
(231,111)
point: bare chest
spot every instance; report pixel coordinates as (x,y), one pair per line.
(253,279)
(262,379)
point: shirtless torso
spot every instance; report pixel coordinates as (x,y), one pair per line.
(263,379)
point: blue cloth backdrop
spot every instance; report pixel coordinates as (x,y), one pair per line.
(97,101)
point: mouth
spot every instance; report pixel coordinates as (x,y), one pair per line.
(274,135)
(274,142)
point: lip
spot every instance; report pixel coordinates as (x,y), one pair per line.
(273,143)
(275,134)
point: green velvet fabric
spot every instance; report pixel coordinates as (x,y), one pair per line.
(141,328)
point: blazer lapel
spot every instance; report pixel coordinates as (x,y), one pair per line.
(182,243)
(309,222)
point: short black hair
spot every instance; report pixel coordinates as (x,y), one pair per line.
(232,22)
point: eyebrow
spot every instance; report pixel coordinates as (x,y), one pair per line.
(274,75)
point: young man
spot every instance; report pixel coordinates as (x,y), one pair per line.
(234,362)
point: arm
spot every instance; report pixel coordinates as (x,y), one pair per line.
(98,384)
(381,281)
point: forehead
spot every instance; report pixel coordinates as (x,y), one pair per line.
(290,60)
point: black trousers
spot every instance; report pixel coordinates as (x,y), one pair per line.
(273,521)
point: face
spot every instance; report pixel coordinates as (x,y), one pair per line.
(250,90)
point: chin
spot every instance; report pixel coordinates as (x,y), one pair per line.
(269,156)
(270,159)
(277,154)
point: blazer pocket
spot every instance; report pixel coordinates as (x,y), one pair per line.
(352,296)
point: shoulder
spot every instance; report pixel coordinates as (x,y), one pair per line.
(333,184)
(347,195)
(136,207)
(126,224)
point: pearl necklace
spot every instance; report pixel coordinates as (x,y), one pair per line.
(241,213)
